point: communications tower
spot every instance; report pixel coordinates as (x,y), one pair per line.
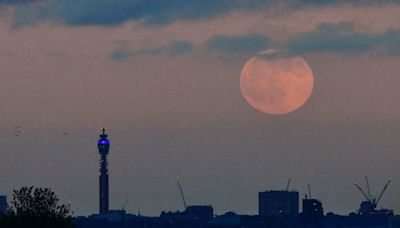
(103,145)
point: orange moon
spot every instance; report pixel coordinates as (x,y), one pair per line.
(276,85)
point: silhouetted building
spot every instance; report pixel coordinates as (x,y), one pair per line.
(357,221)
(367,208)
(3,204)
(395,221)
(312,207)
(103,144)
(112,215)
(195,213)
(258,221)
(278,203)
(200,212)
(229,219)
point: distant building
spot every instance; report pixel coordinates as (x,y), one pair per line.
(200,212)
(229,219)
(367,208)
(111,215)
(357,221)
(3,204)
(312,207)
(394,221)
(278,203)
(196,212)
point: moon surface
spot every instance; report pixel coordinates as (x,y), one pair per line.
(276,85)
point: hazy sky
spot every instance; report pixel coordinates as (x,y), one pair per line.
(163,78)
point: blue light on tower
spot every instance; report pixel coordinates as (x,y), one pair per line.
(103,141)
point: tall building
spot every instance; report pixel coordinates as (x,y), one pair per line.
(3,204)
(103,145)
(278,203)
(312,207)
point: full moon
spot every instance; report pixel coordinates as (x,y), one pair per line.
(276,85)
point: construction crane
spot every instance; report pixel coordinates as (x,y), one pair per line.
(383,191)
(373,200)
(123,207)
(288,184)
(183,196)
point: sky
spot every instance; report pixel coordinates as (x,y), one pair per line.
(163,78)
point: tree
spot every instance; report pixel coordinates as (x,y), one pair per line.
(36,207)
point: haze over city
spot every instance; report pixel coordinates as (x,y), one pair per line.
(164,79)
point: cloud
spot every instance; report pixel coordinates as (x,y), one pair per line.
(244,43)
(114,12)
(16,2)
(120,54)
(338,38)
(124,50)
(151,12)
(299,4)
(56,55)
(179,47)
(341,38)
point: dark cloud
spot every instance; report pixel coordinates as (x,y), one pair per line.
(114,12)
(151,12)
(15,2)
(342,39)
(244,43)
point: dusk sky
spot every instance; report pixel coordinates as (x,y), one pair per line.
(163,78)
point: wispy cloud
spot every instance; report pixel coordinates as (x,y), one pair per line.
(341,38)
(179,47)
(243,43)
(124,50)
(120,54)
(338,38)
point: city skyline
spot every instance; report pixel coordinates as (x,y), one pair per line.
(164,79)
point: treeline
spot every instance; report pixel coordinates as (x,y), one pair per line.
(36,207)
